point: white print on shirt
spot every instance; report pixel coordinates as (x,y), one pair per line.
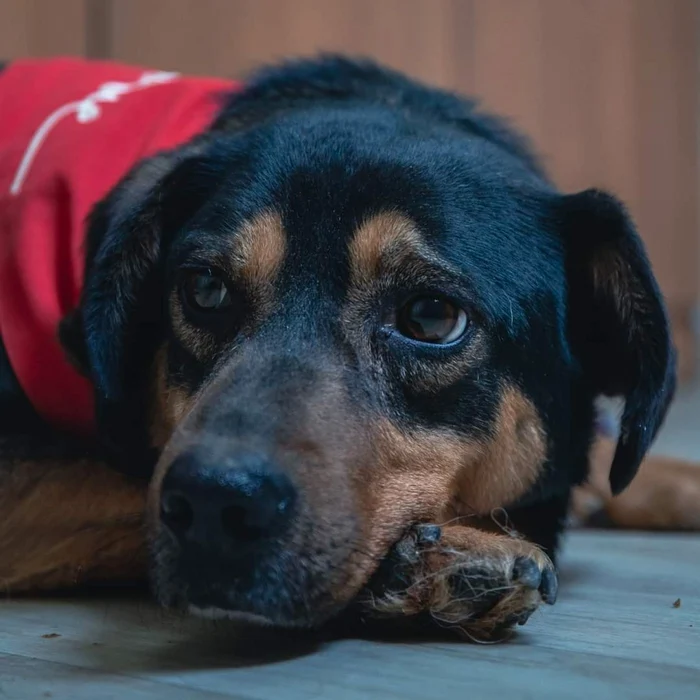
(86,111)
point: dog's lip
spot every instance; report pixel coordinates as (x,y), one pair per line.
(192,588)
(219,603)
(212,612)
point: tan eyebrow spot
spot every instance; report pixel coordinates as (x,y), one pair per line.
(382,240)
(259,249)
(253,257)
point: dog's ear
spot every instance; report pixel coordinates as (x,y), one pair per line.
(618,324)
(123,244)
(111,336)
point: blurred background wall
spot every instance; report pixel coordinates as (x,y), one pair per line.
(607,89)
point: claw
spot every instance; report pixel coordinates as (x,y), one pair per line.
(520,618)
(428,534)
(549,586)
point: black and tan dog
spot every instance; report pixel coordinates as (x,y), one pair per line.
(337,331)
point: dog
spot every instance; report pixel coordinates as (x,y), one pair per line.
(330,342)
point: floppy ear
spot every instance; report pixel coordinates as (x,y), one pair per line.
(617,322)
(111,337)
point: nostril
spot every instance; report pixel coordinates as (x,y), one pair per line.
(176,512)
(236,523)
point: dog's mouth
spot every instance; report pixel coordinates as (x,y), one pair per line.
(286,586)
(244,528)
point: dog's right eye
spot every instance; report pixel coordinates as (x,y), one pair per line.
(205,290)
(433,320)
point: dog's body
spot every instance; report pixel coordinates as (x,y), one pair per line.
(349,309)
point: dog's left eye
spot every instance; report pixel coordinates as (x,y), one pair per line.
(432,320)
(204,290)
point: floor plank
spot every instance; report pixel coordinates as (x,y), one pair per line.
(23,677)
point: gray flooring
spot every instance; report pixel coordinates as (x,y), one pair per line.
(614,633)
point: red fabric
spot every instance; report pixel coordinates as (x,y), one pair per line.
(69,130)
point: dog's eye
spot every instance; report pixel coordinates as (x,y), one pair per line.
(432,320)
(204,290)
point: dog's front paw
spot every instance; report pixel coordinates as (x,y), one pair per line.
(479,583)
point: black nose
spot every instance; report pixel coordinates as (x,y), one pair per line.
(240,502)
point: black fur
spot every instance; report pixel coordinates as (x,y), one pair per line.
(618,325)
(327,143)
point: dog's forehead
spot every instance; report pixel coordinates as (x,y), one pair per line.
(327,188)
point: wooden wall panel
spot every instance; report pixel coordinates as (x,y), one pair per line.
(571,45)
(666,105)
(508,58)
(42,27)
(617,156)
(666,36)
(427,38)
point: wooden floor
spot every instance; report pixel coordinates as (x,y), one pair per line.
(615,633)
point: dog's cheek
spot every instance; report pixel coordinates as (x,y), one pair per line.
(168,404)
(430,475)
(511,461)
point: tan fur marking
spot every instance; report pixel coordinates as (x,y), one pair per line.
(259,249)
(381,242)
(512,460)
(200,343)
(169,404)
(256,254)
(66,523)
(424,471)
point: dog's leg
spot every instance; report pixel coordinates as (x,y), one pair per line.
(665,494)
(479,583)
(68,522)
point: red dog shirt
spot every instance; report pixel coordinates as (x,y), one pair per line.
(69,130)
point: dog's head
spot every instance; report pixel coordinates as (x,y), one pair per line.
(354,305)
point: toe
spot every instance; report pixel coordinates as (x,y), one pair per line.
(519,618)
(549,586)
(405,551)
(428,534)
(527,573)
(506,625)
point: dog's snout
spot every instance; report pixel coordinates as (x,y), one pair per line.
(232,504)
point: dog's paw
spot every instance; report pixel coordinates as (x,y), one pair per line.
(479,583)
